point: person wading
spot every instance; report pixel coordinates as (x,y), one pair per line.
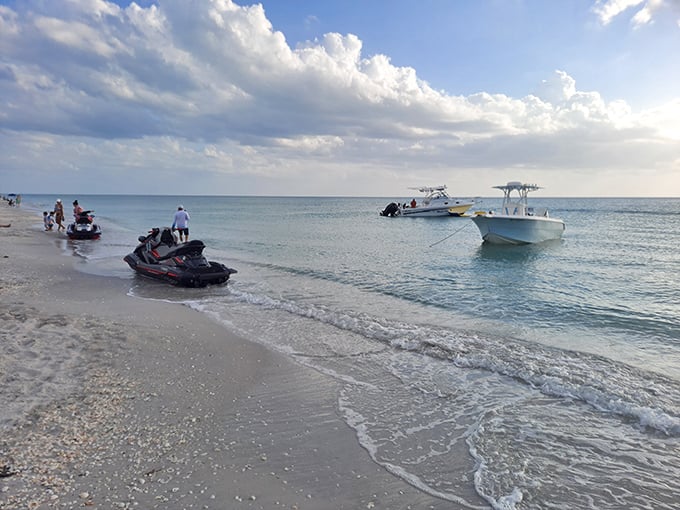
(59,215)
(181,224)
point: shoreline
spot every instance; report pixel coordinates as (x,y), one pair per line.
(123,402)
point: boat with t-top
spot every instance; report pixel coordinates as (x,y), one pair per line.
(436,203)
(517,222)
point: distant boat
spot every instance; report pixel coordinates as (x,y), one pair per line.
(435,203)
(517,222)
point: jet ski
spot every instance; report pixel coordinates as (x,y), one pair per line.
(84,227)
(159,256)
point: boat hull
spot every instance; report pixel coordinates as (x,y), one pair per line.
(425,212)
(450,208)
(502,229)
(459,209)
(213,273)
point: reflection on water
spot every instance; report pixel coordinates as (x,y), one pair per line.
(84,248)
(517,253)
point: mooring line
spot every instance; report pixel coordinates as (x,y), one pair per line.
(442,240)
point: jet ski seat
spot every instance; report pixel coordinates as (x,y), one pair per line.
(167,237)
(192,248)
(84,218)
(161,243)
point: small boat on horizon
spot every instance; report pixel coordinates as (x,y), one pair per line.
(436,203)
(517,222)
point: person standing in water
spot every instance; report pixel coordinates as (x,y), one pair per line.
(181,223)
(59,215)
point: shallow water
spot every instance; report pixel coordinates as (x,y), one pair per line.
(543,376)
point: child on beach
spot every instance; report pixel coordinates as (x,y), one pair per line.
(48,220)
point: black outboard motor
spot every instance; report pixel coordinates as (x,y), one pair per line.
(391,210)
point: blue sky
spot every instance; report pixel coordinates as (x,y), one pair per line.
(340,98)
(504,47)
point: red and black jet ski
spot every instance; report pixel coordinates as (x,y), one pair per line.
(159,256)
(84,227)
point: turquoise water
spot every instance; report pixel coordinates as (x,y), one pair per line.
(543,376)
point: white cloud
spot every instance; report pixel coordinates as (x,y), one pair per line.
(665,118)
(557,89)
(607,10)
(209,87)
(76,35)
(8,22)
(312,144)
(311,22)
(647,10)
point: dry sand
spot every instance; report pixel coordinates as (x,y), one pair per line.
(109,401)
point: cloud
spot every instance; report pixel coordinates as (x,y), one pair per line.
(211,88)
(607,10)
(647,10)
(311,22)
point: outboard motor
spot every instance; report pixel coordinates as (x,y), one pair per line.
(391,210)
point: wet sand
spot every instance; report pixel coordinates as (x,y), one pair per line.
(109,401)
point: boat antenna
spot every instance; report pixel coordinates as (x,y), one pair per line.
(451,235)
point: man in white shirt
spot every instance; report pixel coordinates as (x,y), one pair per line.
(181,223)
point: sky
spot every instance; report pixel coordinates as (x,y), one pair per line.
(339,98)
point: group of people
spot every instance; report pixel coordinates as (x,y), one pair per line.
(57,215)
(13,199)
(180,221)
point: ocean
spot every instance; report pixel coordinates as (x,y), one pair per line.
(543,376)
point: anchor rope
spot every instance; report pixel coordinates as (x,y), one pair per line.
(450,235)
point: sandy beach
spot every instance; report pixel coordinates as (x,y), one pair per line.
(111,401)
